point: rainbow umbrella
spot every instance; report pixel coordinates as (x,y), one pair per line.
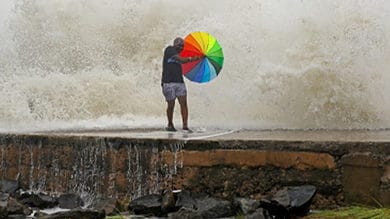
(208,67)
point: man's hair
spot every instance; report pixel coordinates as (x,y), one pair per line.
(178,41)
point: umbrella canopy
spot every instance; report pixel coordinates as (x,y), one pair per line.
(207,47)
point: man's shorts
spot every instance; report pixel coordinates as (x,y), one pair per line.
(173,90)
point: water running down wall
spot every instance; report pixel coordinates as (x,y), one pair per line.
(288,64)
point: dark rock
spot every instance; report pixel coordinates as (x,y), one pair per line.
(185,199)
(258,214)
(9,186)
(76,214)
(293,200)
(3,205)
(15,208)
(147,205)
(37,200)
(209,207)
(275,209)
(3,209)
(70,201)
(185,213)
(168,202)
(297,199)
(4,197)
(109,205)
(17,216)
(246,206)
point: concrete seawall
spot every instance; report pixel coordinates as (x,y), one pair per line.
(126,167)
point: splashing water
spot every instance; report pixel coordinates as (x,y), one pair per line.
(293,64)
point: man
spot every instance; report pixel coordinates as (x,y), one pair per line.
(173,84)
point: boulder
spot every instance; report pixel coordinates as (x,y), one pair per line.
(9,186)
(168,202)
(76,214)
(16,208)
(40,200)
(292,200)
(185,199)
(257,214)
(147,205)
(70,201)
(185,213)
(246,206)
(275,209)
(297,199)
(109,205)
(209,207)
(17,216)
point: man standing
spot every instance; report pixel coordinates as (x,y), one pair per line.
(172,82)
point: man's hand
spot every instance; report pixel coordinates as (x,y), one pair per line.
(195,58)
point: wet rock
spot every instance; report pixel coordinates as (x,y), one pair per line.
(109,205)
(293,200)
(246,206)
(147,205)
(185,199)
(4,197)
(185,213)
(3,205)
(3,209)
(37,200)
(258,214)
(168,203)
(275,209)
(15,208)
(70,201)
(17,216)
(9,186)
(76,214)
(209,207)
(297,199)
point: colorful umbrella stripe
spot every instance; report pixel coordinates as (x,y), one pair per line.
(206,46)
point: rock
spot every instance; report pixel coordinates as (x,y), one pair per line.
(297,199)
(246,206)
(3,205)
(258,214)
(293,200)
(70,201)
(146,205)
(185,199)
(76,214)
(15,208)
(9,186)
(3,210)
(168,203)
(185,213)
(209,207)
(275,209)
(17,216)
(40,200)
(106,204)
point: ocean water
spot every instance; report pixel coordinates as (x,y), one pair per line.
(289,64)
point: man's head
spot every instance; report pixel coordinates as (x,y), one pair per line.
(178,43)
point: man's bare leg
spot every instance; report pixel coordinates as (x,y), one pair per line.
(170,109)
(184,111)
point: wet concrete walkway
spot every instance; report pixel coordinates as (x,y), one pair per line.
(221,135)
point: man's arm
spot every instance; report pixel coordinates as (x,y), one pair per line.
(186,59)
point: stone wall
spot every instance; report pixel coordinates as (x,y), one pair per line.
(344,172)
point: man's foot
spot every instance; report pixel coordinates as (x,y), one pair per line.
(187,130)
(170,129)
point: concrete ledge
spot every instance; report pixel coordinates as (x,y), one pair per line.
(344,172)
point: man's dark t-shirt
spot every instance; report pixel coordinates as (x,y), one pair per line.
(172,71)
